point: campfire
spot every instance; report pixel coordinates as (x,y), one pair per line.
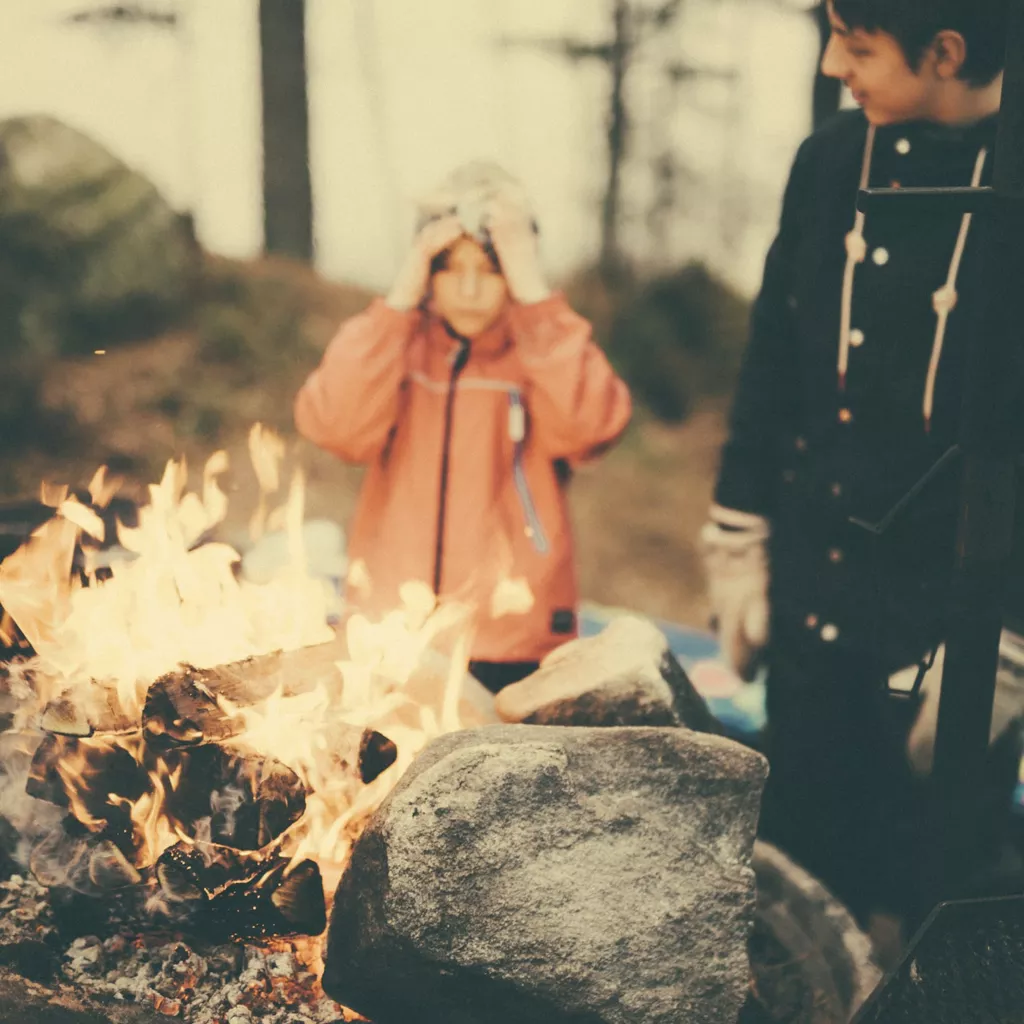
(196,761)
(187,752)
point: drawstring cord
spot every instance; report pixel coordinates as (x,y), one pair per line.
(944,299)
(856,250)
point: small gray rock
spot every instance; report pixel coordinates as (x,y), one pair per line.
(626,675)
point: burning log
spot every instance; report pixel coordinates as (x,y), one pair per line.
(376,754)
(63,717)
(185,710)
(280,903)
(248,800)
(84,774)
(182,710)
(230,896)
(66,715)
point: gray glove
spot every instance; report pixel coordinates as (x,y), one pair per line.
(733,545)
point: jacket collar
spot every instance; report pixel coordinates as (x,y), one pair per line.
(977,133)
(491,343)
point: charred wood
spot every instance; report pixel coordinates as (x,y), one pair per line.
(192,706)
(95,777)
(376,754)
(230,896)
(247,800)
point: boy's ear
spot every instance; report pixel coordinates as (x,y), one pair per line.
(950,50)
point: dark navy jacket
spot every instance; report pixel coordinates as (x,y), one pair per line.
(809,456)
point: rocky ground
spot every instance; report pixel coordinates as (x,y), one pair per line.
(276,983)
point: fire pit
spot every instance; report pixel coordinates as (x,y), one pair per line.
(187,760)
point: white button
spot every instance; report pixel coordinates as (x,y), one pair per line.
(856,337)
(880,256)
(829,632)
(903,146)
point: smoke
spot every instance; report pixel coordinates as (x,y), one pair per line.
(30,820)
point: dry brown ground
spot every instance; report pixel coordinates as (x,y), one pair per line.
(637,511)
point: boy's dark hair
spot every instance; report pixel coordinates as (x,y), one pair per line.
(915,23)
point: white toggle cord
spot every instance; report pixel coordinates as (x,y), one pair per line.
(943,300)
(856,250)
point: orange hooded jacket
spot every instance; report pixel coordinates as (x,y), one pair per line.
(467,444)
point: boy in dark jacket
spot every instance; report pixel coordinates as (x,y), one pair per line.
(850,391)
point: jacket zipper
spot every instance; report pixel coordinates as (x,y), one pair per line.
(517,433)
(458,365)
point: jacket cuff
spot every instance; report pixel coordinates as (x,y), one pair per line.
(379,311)
(736,521)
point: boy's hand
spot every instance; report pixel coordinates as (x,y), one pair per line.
(411,283)
(515,242)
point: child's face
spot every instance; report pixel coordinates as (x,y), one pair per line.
(469,290)
(874,67)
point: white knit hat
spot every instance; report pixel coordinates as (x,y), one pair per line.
(466,193)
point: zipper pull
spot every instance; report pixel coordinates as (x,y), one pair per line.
(516,418)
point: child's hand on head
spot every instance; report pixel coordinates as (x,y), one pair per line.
(411,283)
(515,243)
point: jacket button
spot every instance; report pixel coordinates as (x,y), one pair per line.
(801,444)
(856,337)
(837,490)
(903,146)
(845,416)
(880,256)
(811,622)
(835,556)
(829,633)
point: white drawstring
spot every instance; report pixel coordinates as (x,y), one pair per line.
(944,299)
(856,250)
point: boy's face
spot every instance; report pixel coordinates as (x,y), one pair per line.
(469,290)
(874,67)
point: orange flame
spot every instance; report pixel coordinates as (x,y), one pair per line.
(175,599)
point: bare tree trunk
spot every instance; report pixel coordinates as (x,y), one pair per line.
(618,130)
(827,91)
(287,189)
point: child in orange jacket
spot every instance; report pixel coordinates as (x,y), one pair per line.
(469,392)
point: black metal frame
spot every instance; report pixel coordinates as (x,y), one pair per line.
(989,445)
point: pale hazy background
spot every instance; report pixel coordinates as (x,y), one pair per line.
(401,90)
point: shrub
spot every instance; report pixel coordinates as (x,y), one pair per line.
(678,339)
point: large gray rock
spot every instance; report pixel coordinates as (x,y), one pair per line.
(626,675)
(528,873)
(90,252)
